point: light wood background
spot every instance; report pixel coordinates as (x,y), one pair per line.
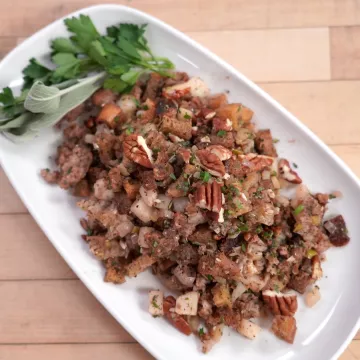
(305,53)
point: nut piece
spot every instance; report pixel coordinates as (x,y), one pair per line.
(211,162)
(337,231)
(220,151)
(135,148)
(221,124)
(110,114)
(208,196)
(287,173)
(280,304)
(241,165)
(316,270)
(284,327)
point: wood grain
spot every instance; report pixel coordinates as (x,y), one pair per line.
(273,55)
(74,352)
(27,253)
(54,312)
(189,15)
(345,52)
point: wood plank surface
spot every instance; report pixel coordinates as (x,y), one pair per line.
(190,15)
(306,54)
(54,311)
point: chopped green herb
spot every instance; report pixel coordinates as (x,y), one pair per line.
(209,277)
(275,141)
(223,189)
(129,130)
(239,108)
(155,244)
(243,228)
(187,116)
(116,119)
(155,150)
(276,288)
(332,196)
(234,190)
(47,170)
(205,176)
(258,193)
(268,234)
(185,143)
(243,247)
(238,204)
(172,176)
(295,165)
(201,332)
(154,303)
(145,107)
(298,209)
(69,170)
(221,133)
(89,232)
(258,229)
(192,159)
(136,101)
(273,173)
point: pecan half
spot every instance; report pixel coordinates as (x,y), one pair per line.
(208,196)
(287,173)
(284,327)
(135,148)
(211,162)
(241,165)
(280,304)
(220,151)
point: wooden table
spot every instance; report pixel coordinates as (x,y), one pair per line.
(304,53)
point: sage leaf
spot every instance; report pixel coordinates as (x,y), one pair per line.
(68,102)
(42,99)
(17,122)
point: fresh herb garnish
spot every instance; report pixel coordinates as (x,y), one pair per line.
(155,244)
(258,229)
(221,133)
(172,176)
(332,196)
(275,141)
(82,64)
(201,332)
(187,116)
(243,228)
(209,277)
(243,247)
(295,165)
(154,303)
(298,209)
(205,176)
(89,232)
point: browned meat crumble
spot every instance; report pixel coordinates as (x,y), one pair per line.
(178,180)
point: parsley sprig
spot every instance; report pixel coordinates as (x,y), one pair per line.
(115,60)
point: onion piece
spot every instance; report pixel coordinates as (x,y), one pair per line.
(149,196)
(248,329)
(163,202)
(180,204)
(312,297)
(142,232)
(143,211)
(238,291)
(185,274)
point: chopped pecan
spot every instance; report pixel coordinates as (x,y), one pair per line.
(337,231)
(110,114)
(132,187)
(316,270)
(220,151)
(287,173)
(211,162)
(221,124)
(241,165)
(185,154)
(208,196)
(280,304)
(135,148)
(177,320)
(284,327)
